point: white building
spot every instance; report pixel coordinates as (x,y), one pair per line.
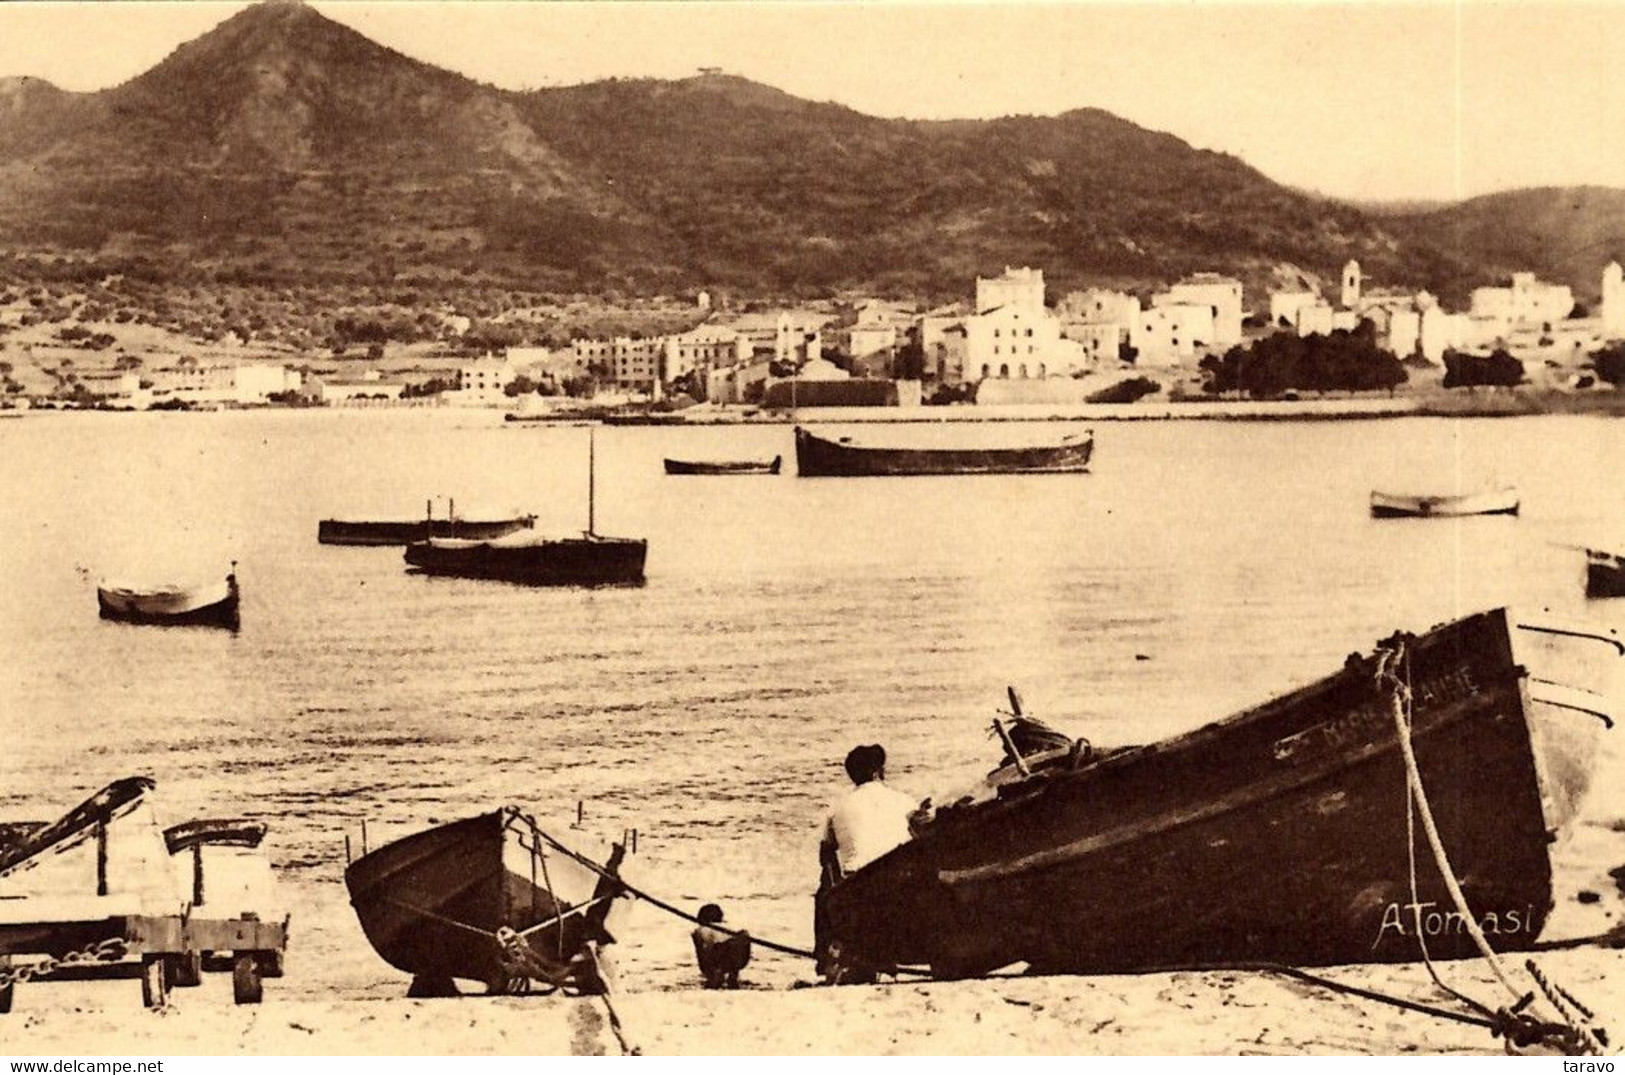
(1018,342)
(1016,289)
(1527,302)
(1102,341)
(1613,302)
(1351,286)
(1315,319)
(1169,332)
(258,382)
(704,348)
(1222,296)
(347,391)
(1284,306)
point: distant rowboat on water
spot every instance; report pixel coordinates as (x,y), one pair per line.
(747,466)
(1406,506)
(823,457)
(213,604)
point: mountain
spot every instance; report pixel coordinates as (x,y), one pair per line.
(282,146)
(1565,234)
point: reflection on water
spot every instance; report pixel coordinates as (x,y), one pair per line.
(1201,566)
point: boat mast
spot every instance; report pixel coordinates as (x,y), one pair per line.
(591,466)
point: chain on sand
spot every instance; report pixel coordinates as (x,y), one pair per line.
(109,951)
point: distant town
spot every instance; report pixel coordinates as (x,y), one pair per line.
(1010,344)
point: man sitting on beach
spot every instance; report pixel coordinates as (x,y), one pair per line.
(869,821)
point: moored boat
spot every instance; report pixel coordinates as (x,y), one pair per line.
(215,604)
(843,457)
(493,899)
(1406,506)
(742,466)
(588,560)
(375,532)
(1605,573)
(1278,835)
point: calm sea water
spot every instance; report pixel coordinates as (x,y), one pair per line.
(1200,567)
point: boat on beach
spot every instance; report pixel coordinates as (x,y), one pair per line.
(212,604)
(1408,506)
(492,899)
(1278,835)
(1605,573)
(742,466)
(379,532)
(842,457)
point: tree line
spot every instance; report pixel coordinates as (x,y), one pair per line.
(1344,361)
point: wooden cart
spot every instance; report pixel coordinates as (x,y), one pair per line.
(108,935)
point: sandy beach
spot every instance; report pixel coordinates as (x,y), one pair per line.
(1212,1013)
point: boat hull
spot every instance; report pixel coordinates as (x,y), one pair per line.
(175,608)
(1605,574)
(684,466)
(1276,836)
(432,904)
(386,532)
(820,457)
(585,561)
(1401,506)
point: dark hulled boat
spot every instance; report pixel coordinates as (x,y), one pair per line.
(216,604)
(588,560)
(743,466)
(1278,835)
(822,457)
(1605,574)
(492,899)
(375,532)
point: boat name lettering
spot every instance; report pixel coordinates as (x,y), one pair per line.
(1406,919)
(1363,722)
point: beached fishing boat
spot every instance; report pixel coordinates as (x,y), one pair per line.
(1405,506)
(743,466)
(1605,573)
(1278,835)
(214,604)
(843,457)
(589,560)
(375,532)
(491,899)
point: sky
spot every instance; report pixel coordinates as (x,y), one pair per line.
(1366,101)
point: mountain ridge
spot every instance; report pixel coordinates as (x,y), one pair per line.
(282,144)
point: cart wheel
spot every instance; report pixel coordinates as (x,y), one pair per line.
(154,981)
(271,964)
(246,987)
(186,970)
(7,992)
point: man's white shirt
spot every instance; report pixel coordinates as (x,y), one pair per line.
(870,821)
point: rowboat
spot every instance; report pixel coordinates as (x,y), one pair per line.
(1605,574)
(842,457)
(214,604)
(588,560)
(1401,505)
(1278,835)
(746,466)
(404,532)
(493,899)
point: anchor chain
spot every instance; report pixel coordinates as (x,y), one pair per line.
(110,950)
